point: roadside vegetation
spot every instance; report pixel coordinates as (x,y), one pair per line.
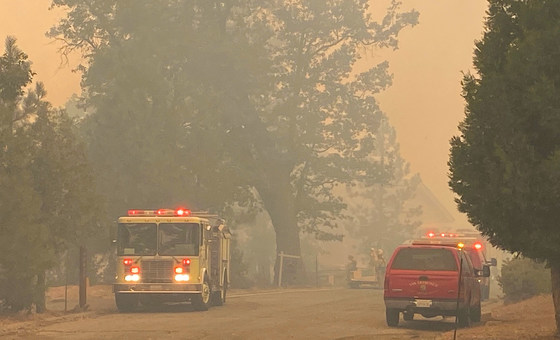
(504,165)
(523,278)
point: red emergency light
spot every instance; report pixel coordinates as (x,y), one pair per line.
(477,245)
(182,212)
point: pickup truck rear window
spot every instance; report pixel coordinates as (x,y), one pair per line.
(424,259)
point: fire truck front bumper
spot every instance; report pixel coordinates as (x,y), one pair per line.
(158,288)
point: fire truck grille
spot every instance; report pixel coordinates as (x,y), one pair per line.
(157,271)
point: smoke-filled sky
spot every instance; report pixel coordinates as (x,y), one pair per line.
(424,103)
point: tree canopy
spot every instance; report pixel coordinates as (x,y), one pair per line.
(47,198)
(504,166)
(209,102)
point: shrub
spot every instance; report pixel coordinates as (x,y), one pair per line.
(522,278)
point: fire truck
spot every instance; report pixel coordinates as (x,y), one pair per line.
(475,247)
(171,255)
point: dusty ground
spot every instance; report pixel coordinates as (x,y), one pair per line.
(530,319)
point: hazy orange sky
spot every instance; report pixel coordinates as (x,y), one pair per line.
(424,103)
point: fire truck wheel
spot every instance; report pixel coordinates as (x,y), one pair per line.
(126,302)
(202,301)
(219,298)
(224,292)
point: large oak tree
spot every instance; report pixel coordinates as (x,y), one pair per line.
(208,102)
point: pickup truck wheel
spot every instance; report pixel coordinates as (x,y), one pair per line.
(126,302)
(202,301)
(464,317)
(476,313)
(392,316)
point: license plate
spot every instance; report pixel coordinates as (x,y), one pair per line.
(423,303)
(156,287)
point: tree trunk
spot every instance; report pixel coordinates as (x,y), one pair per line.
(279,201)
(555,280)
(40,290)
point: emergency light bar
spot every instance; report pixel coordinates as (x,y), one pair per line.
(160,212)
(431,242)
(449,241)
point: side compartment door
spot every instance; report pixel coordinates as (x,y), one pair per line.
(215,267)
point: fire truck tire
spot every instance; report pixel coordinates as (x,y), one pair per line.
(219,298)
(126,302)
(224,292)
(202,301)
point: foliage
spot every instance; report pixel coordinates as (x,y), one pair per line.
(522,278)
(216,100)
(239,268)
(380,215)
(47,199)
(505,165)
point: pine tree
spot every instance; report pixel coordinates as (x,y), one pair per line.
(505,164)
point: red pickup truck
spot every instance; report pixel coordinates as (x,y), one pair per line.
(432,280)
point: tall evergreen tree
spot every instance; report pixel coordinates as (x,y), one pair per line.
(47,198)
(505,164)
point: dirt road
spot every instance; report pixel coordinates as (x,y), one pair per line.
(278,314)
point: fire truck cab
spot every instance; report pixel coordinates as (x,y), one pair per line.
(171,255)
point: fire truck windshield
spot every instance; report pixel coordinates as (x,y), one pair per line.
(137,239)
(148,239)
(179,239)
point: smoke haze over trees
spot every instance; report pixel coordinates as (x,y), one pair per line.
(212,101)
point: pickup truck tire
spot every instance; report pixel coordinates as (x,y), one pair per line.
(476,313)
(464,317)
(392,316)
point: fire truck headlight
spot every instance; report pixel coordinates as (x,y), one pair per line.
(133,277)
(182,277)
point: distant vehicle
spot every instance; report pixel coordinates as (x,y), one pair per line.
(475,247)
(432,280)
(171,255)
(365,276)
